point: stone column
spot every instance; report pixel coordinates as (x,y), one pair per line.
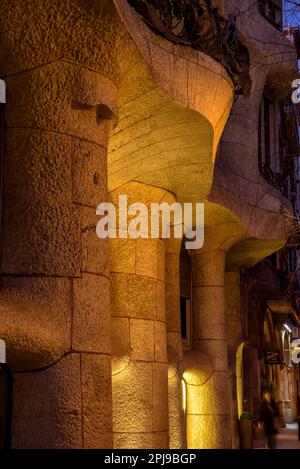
(209,408)
(55,272)
(279,394)
(269,372)
(235,346)
(140,369)
(177,418)
(255,386)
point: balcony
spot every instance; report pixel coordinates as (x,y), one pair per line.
(272,12)
(198,24)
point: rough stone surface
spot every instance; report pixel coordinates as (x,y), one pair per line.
(120,343)
(47,406)
(160,342)
(160,397)
(127,299)
(95,253)
(89,173)
(209,431)
(96,401)
(142,339)
(40,310)
(91,314)
(46,242)
(45,172)
(141,440)
(133,413)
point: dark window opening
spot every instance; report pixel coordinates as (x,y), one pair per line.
(272,12)
(185,296)
(183,318)
(267,123)
(273,259)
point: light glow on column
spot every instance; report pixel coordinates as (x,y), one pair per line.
(239,378)
(183,394)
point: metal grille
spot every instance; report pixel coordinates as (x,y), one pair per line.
(198,24)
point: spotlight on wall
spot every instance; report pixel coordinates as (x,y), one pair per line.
(183,394)
(288,328)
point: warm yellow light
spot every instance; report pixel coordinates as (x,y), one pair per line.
(239,378)
(183,394)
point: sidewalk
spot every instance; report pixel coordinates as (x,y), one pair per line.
(287,438)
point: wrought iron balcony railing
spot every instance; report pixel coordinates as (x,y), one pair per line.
(273,179)
(198,24)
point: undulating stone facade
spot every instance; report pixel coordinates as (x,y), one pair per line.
(98,106)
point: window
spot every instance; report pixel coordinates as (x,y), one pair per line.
(268,140)
(288,149)
(272,12)
(268,108)
(266,133)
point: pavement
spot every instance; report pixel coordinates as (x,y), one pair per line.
(287,438)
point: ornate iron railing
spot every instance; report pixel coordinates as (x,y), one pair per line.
(271,178)
(198,24)
(277,180)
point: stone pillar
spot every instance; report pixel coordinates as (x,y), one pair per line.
(269,372)
(60,66)
(140,369)
(235,355)
(177,418)
(279,394)
(55,272)
(286,393)
(208,404)
(255,387)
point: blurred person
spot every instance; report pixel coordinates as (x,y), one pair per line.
(267,418)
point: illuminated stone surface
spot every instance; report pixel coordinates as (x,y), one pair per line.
(89,77)
(140,379)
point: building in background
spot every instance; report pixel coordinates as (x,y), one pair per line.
(139,343)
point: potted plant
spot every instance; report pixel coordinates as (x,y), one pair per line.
(245,430)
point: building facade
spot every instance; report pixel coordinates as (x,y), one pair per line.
(140,343)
